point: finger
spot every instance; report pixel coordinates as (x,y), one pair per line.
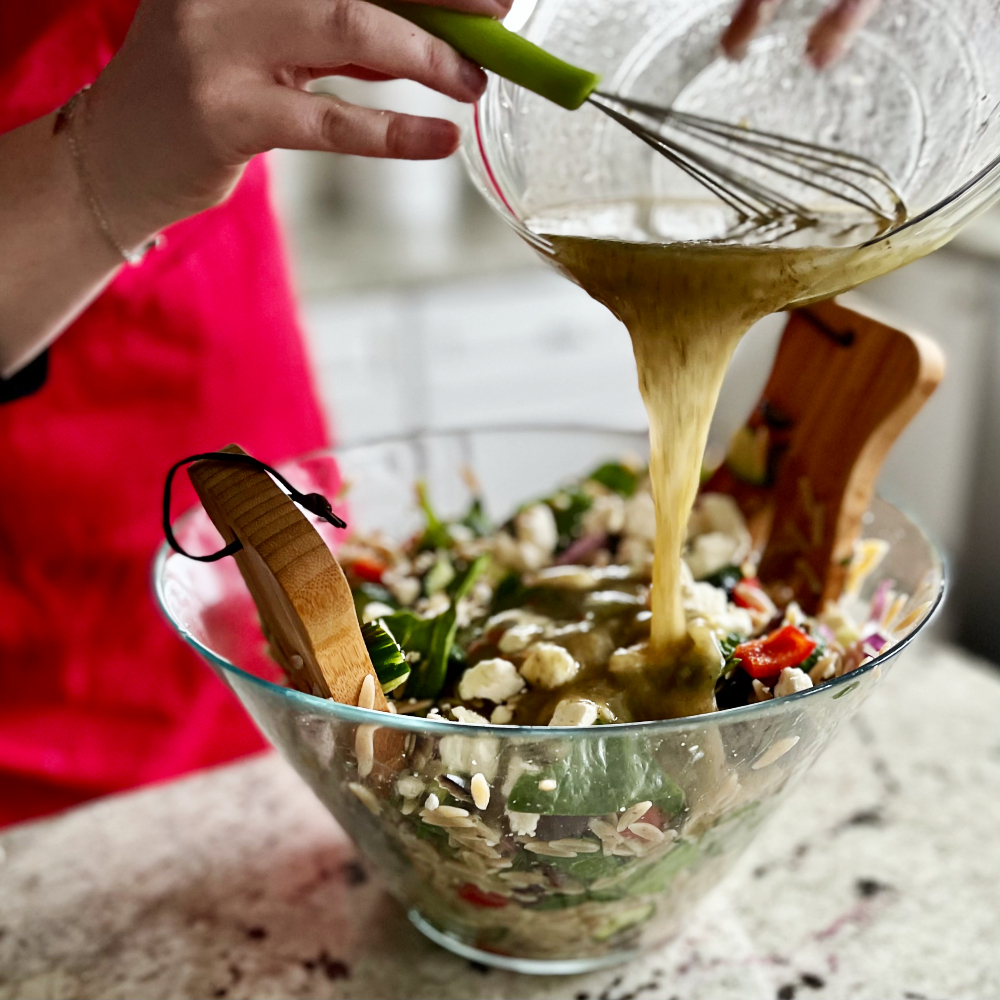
(491,8)
(750,17)
(833,33)
(298,120)
(305,75)
(378,40)
(361,73)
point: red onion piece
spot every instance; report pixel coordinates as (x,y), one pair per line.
(580,549)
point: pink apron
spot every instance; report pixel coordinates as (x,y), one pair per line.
(196,347)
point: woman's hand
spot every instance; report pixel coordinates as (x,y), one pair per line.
(830,36)
(201,86)
(197,89)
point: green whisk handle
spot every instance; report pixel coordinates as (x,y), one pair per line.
(487,42)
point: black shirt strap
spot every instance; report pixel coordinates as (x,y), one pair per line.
(26,381)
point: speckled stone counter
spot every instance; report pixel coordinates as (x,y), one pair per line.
(877,879)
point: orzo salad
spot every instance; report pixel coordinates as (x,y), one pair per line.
(544,620)
(600,840)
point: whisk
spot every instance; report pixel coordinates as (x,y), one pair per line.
(773,184)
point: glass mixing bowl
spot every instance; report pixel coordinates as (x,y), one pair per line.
(918,93)
(582,894)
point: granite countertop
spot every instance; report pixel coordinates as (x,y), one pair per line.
(878,878)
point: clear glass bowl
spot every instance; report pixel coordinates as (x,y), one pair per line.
(918,92)
(591,896)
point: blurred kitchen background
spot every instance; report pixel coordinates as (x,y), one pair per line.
(425,311)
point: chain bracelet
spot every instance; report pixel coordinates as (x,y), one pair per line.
(65,121)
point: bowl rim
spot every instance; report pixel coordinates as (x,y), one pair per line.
(301,701)
(987,175)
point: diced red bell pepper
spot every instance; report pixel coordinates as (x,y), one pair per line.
(368,570)
(656,816)
(748,593)
(478,897)
(788,646)
(653,815)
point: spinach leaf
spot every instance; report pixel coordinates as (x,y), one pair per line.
(616,477)
(652,878)
(437,836)
(597,777)
(366,592)
(562,901)
(436,534)
(463,582)
(476,519)
(588,867)
(569,506)
(725,578)
(509,593)
(432,638)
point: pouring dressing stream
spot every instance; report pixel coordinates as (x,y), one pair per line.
(686,306)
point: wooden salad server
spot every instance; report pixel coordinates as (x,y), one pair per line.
(842,388)
(302,596)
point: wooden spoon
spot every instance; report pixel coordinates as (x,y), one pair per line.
(302,596)
(843,386)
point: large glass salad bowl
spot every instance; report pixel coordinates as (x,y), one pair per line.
(918,93)
(595,843)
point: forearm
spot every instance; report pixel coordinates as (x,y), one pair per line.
(197,89)
(53,257)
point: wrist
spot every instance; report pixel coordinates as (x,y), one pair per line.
(150,162)
(71,120)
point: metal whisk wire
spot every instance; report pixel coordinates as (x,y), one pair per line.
(761,208)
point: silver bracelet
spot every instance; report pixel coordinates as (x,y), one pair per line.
(65,121)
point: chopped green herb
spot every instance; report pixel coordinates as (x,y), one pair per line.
(436,835)
(729,643)
(432,638)
(728,646)
(813,658)
(846,690)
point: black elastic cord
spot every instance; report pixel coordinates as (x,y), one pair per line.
(315,503)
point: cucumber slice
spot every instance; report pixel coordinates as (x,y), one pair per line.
(387,658)
(748,454)
(620,921)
